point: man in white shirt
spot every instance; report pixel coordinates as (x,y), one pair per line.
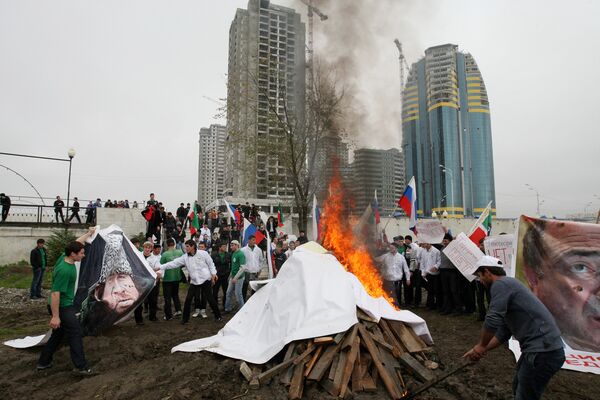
(394,269)
(290,250)
(254,262)
(429,261)
(202,273)
(204,231)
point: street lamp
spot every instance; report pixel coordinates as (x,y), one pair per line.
(71,154)
(449,171)
(537,194)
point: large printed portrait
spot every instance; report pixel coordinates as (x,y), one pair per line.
(560,262)
(113,280)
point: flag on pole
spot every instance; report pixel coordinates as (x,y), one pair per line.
(408,202)
(233,212)
(194,220)
(249,230)
(316,217)
(483,226)
(279,217)
(376,209)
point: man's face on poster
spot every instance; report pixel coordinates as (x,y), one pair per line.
(120,292)
(569,282)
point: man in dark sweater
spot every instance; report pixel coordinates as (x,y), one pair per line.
(515,311)
(222,260)
(75,210)
(38,260)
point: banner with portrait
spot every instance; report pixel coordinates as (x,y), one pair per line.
(560,262)
(114,279)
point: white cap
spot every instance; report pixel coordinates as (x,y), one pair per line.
(486,261)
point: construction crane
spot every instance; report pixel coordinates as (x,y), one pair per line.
(403,65)
(311,9)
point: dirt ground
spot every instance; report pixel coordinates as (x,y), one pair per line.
(135,362)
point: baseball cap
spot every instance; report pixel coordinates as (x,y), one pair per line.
(235,242)
(486,261)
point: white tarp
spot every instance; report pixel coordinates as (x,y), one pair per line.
(312,296)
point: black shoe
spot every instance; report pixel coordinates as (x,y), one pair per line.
(84,372)
(140,323)
(183,322)
(219,319)
(41,367)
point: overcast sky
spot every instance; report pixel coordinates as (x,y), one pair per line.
(128,85)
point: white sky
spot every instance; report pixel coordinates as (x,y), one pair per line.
(127,84)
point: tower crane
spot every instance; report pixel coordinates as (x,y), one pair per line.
(311,9)
(403,65)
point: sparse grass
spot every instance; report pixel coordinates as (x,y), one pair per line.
(21,331)
(19,276)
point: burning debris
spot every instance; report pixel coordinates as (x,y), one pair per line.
(387,352)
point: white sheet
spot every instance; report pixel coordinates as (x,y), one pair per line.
(312,296)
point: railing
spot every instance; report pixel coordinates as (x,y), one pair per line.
(32,213)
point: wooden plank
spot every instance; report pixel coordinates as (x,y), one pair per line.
(313,360)
(367,383)
(323,340)
(317,372)
(388,381)
(349,339)
(246,371)
(268,374)
(297,384)
(382,343)
(391,365)
(286,377)
(328,386)
(416,368)
(349,366)
(357,374)
(334,364)
(406,336)
(364,316)
(338,338)
(391,339)
(290,351)
(254,384)
(302,357)
(339,372)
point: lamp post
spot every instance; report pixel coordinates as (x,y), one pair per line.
(537,194)
(449,171)
(71,154)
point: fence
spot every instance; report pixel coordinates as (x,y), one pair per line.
(38,214)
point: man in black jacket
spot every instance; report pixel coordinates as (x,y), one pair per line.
(38,260)
(75,210)
(5,202)
(222,260)
(58,207)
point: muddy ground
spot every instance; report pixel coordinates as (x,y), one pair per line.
(135,362)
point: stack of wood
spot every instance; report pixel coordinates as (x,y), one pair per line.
(357,360)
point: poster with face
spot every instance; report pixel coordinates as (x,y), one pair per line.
(560,262)
(113,280)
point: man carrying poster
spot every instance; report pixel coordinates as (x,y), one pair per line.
(560,261)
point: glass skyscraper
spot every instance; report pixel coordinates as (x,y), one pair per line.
(447,136)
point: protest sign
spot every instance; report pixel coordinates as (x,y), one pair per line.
(464,254)
(502,248)
(430,231)
(560,262)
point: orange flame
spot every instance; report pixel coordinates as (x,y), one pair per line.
(338,237)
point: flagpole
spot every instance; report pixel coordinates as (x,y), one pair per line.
(390,218)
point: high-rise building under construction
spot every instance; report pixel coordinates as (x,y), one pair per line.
(265,84)
(446,134)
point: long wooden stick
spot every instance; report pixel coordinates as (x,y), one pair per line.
(437,380)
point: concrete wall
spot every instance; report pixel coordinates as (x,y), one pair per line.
(17,242)
(130,220)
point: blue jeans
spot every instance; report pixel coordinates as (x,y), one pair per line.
(534,371)
(237,289)
(36,283)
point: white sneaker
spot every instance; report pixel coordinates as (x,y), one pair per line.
(203,313)
(177,313)
(196,313)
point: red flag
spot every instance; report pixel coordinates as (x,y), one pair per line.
(148,213)
(259,237)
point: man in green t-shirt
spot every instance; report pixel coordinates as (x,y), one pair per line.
(171,280)
(64,320)
(38,261)
(236,277)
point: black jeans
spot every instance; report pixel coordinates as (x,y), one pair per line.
(36,282)
(433,291)
(196,292)
(58,212)
(222,283)
(412,293)
(152,300)
(468,294)
(450,281)
(5,212)
(534,371)
(75,215)
(171,293)
(483,293)
(69,327)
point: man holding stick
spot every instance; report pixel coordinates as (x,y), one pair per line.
(515,311)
